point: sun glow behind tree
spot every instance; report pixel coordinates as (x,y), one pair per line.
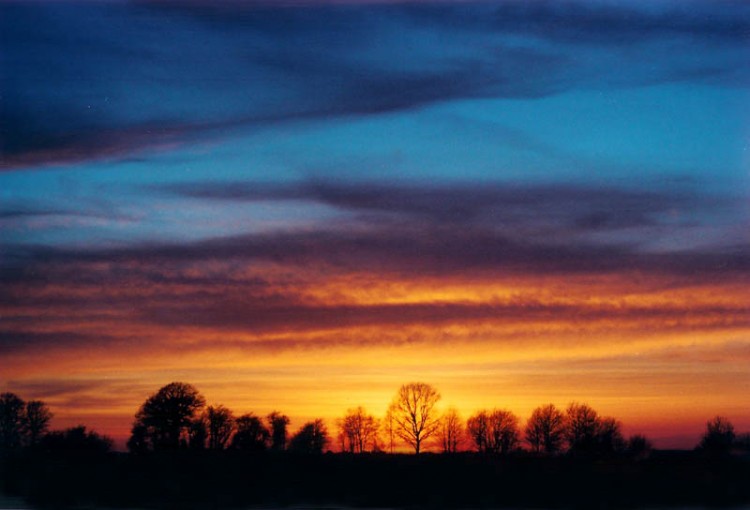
(301,208)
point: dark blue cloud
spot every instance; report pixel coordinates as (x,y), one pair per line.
(523,207)
(91,80)
(436,228)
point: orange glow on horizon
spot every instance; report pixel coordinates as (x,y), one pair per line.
(637,352)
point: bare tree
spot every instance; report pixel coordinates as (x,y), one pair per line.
(581,427)
(358,431)
(35,421)
(278,424)
(506,433)
(389,429)
(451,431)
(478,430)
(719,435)
(220,425)
(609,436)
(164,420)
(494,431)
(414,415)
(545,430)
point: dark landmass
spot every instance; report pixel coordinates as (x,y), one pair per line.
(228,479)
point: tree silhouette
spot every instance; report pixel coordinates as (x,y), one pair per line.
(545,429)
(719,435)
(12,410)
(312,438)
(639,446)
(36,421)
(609,436)
(251,435)
(389,429)
(478,430)
(451,431)
(139,438)
(220,423)
(742,442)
(278,423)
(358,431)
(582,427)
(494,431)
(414,415)
(163,422)
(76,440)
(198,434)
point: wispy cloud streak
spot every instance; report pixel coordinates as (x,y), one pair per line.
(137,87)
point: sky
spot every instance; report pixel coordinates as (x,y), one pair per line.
(300,206)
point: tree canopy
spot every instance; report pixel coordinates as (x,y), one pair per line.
(312,438)
(22,423)
(165,418)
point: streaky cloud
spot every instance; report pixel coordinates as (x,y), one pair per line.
(591,207)
(131,89)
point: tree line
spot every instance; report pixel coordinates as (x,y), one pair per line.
(25,425)
(177,417)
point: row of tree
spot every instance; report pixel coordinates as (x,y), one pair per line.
(22,423)
(413,419)
(176,416)
(25,425)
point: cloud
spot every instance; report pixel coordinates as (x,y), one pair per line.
(438,250)
(622,22)
(51,388)
(431,229)
(587,207)
(59,335)
(235,315)
(93,80)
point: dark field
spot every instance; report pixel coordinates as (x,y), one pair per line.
(232,480)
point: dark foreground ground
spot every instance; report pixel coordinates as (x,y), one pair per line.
(188,480)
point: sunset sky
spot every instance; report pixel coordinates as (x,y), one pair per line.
(302,205)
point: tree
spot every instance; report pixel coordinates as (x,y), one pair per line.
(36,421)
(358,431)
(494,431)
(278,423)
(251,435)
(451,430)
(639,446)
(478,430)
(389,429)
(12,410)
(545,430)
(581,428)
(312,438)
(76,440)
(198,434)
(220,423)
(505,430)
(609,436)
(742,442)
(164,420)
(414,415)
(139,438)
(719,435)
